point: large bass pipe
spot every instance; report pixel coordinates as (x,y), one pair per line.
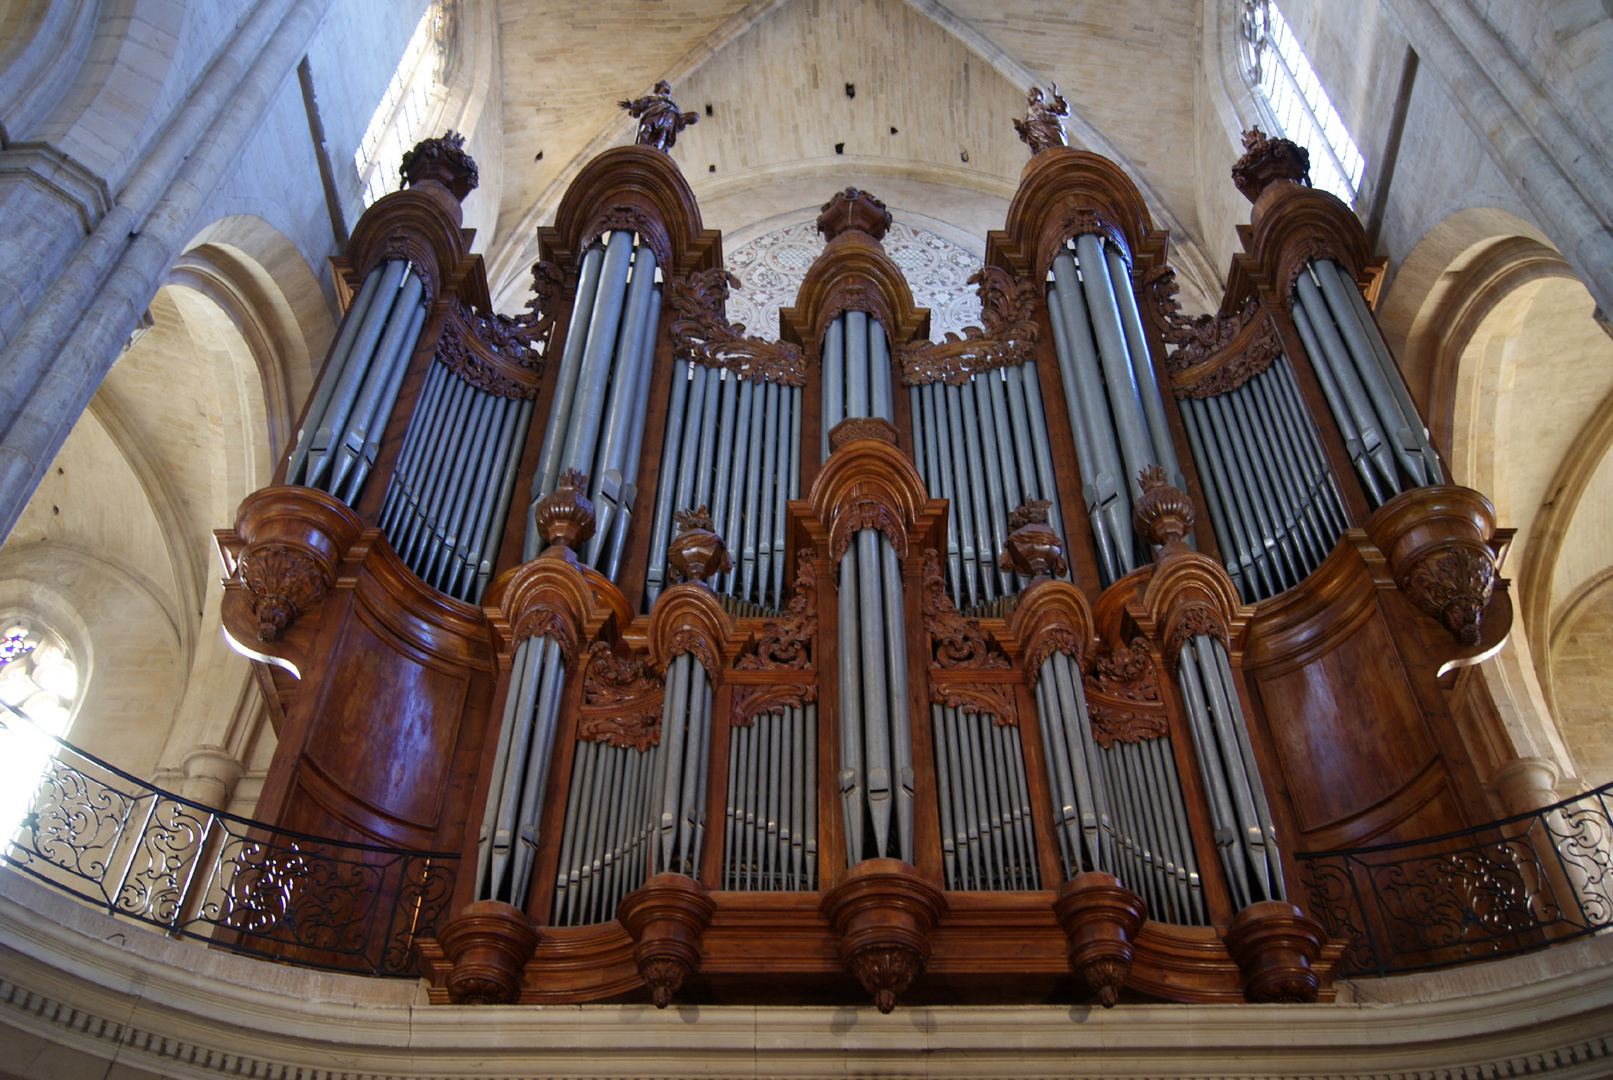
(1239,814)
(1362,384)
(337,444)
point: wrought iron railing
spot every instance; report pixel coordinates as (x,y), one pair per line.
(1532,880)
(138,852)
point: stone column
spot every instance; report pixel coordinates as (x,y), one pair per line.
(1548,163)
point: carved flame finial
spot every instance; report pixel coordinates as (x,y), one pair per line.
(1043,125)
(659,120)
(1033,549)
(566,517)
(697,552)
(444,161)
(1163,514)
(1266,161)
(854,211)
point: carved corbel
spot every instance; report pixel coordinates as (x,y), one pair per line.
(1009,334)
(1100,917)
(1276,946)
(1436,542)
(883,911)
(486,948)
(283,553)
(666,916)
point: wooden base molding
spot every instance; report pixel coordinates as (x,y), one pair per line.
(884,912)
(485,947)
(1100,918)
(1276,946)
(666,916)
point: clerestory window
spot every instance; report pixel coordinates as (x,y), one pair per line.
(1290,95)
(39,684)
(408,107)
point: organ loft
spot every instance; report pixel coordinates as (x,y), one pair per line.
(1046,661)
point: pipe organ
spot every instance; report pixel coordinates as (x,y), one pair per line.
(1016,665)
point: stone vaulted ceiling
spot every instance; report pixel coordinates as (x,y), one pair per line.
(948,78)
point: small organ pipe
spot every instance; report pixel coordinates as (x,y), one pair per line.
(764,508)
(949,400)
(856,330)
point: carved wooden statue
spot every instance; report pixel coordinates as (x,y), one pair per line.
(659,120)
(1043,125)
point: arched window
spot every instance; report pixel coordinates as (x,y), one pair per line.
(1290,95)
(408,107)
(39,684)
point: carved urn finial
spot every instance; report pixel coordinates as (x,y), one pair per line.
(854,211)
(1266,161)
(659,120)
(697,552)
(1163,514)
(1033,549)
(1043,125)
(443,161)
(566,517)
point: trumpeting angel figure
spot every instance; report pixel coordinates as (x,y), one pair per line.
(659,120)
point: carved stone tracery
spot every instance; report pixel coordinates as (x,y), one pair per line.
(702,334)
(1008,336)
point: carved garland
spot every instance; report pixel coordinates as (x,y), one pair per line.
(702,334)
(1194,620)
(1301,255)
(1007,310)
(283,582)
(622,700)
(1123,698)
(866,512)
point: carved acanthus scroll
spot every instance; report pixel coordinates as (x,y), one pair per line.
(283,582)
(867,512)
(1123,698)
(492,352)
(955,642)
(1216,353)
(1454,586)
(787,642)
(622,700)
(702,334)
(1009,336)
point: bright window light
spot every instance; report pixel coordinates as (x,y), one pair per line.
(1300,108)
(405,109)
(38,684)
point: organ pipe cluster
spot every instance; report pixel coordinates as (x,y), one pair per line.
(1365,392)
(337,444)
(876,747)
(1115,407)
(770,831)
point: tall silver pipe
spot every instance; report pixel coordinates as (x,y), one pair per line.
(513,733)
(811,847)
(673,727)
(744,437)
(628,385)
(764,503)
(1223,818)
(1397,383)
(937,445)
(857,399)
(987,510)
(485,541)
(1125,401)
(901,724)
(746,564)
(781,487)
(443,465)
(1142,366)
(1248,469)
(380,382)
(880,401)
(1256,530)
(1041,444)
(995,473)
(849,653)
(340,355)
(583,423)
(554,433)
(545,717)
(1240,730)
(666,481)
(1007,465)
(1336,404)
(714,493)
(949,400)
(834,378)
(429,419)
(1342,369)
(488,456)
(944,797)
(328,430)
(403,470)
(1083,382)
(876,701)
(1061,785)
(1236,561)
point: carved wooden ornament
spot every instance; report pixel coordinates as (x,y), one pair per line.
(1216,353)
(869,484)
(283,582)
(1051,616)
(702,334)
(1009,335)
(492,352)
(697,552)
(622,700)
(1123,696)
(788,641)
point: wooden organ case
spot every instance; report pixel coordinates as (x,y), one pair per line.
(1013,667)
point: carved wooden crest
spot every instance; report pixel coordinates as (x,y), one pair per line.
(955,642)
(1123,696)
(993,699)
(1009,334)
(622,700)
(702,334)
(866,512)
(787,642)
(750,701)
(283,582)
(1216,353)
(492,352)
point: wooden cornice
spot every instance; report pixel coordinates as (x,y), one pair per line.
(1289,226)
(555,596)
(1060,192)
(420,224)
(636,188)
(853,274)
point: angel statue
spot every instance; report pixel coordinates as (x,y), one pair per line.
(1043,125)
(659,120)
